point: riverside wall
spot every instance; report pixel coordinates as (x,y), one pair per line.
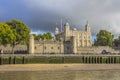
(59,48)
(39,59)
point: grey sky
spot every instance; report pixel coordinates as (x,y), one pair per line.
(42,15)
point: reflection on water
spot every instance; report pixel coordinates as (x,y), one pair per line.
(61,75)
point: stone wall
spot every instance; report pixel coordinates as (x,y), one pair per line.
(17,49)
(48,47)
(97,49)
(58,47)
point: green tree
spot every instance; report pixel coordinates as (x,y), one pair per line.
(104,38)
(6,34)
(37,37)
(47,36)
(21,32)
(117,41)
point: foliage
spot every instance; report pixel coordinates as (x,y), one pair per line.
(6,34)
(104,38)
(117,42)
(47,36)
(21,32)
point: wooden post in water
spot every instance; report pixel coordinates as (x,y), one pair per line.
(10,59)
(1,62)
(110,59)
(23,60)
(83,59)
(113,59)
(106,60)
(14,60)
(63,60)
(96,60)
(89,59)
(119,59)
(100,60)
(92,59)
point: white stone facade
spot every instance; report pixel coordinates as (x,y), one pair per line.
(66,41)
(83,38)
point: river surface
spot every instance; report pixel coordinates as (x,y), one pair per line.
(61,75)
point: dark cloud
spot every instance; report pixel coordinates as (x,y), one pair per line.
(42,15)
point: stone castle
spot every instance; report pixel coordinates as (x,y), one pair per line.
(64,42)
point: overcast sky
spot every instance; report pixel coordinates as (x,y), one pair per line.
(45,15)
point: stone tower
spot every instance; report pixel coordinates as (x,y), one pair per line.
(88,35)
(56,31)
(31,44)
(73,44)
(87,27)
(66,31)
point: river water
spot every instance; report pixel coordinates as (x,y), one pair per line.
(61,75)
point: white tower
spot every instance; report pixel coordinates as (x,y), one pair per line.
(67,31)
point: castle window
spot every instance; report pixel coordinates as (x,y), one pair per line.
(80,40)
(45,47)
(58,47)
(35,47)
(67,48)
(51,47)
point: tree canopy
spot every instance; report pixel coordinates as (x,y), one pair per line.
(21,31)
(44,36)
(6,34)
(104,38)
(117,42)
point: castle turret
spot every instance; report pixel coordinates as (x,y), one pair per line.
(67,31)
(87,27)
(88,35)
(31,44)
(73,44)
(56,31)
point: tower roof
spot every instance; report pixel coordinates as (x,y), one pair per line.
(56,29)
(87,24)
(66,24)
